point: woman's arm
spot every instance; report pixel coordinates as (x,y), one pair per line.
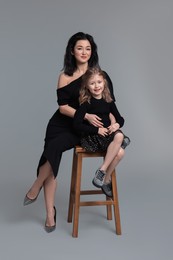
(114,125)
(80,125)
(93,120)
(117,115)
(112,118)
(65,109)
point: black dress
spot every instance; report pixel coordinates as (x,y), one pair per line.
(60,134)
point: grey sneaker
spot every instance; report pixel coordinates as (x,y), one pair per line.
(107,189)
(99,178)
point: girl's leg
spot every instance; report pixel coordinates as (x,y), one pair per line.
(107,185)
(113,164)
(44,172)
(112,151)
(50,185)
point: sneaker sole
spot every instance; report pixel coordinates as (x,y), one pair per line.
(96,185)
(106,194)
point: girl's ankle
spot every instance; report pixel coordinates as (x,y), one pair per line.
(106,181)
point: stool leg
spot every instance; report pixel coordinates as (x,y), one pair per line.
(109,210)
(116,204)
(77,196)
(72,187)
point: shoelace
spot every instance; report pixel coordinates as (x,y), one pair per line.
(100,175)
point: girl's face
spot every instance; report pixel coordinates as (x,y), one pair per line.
(96,86)
(82,51)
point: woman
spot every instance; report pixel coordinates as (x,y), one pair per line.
(81,53)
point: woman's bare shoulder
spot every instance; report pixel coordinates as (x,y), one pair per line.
(63,80)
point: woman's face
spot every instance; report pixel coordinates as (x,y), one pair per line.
(82,51)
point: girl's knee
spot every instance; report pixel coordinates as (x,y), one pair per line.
(118,137)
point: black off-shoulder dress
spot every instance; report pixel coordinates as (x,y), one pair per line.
(60,134)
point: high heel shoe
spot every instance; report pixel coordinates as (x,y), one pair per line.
(28,201)
(49,229)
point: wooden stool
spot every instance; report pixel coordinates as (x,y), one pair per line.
(75,192)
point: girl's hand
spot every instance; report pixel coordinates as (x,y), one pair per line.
(94,120)
(103,131)
(113,127)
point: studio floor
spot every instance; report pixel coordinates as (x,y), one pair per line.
(146,219)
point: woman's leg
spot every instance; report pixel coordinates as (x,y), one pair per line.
(50,185)
(45,171)
(45,178)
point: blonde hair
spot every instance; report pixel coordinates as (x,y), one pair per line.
(85,95)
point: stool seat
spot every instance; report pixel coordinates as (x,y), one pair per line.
(75,201)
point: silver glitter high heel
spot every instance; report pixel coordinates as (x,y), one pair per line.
(28,201)
(49,229)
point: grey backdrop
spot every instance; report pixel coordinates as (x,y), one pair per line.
(135,40)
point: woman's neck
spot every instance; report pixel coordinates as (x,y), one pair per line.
(81,69)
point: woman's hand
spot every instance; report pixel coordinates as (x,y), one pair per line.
(113,127)
(103,131)
(94,120)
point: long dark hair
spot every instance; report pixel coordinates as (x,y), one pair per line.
(69,66)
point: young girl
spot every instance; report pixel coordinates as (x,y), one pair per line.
(95,98)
